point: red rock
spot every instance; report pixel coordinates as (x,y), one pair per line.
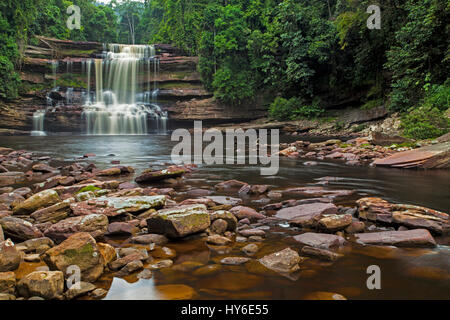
(230,184)
(306,214)
(320,240)
(319,192)
(242,212)
(121,228)
(410,238)
(19,229)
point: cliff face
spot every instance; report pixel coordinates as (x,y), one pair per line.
(59,63)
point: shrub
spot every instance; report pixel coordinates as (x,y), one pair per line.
(425,122)
(291,109)
(438,97)
(9,80)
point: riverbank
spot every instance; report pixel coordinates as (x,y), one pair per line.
(179,232)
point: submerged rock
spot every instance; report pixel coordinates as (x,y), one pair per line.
(410,238)
(79,250)
(320,253)
(179,221)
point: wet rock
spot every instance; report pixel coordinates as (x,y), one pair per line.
(112,206)
(374,209)
(42,167)
(80,250)
(108,252)
(54,213)
(208,270)
(242,212)
(161,264)
(355,227)
(187,266)
(109,172)
(7,282)
(250,249)
(121,228)
(122,262)
(226,216)
(123,252)
(145,274)
(98,293)
(78,290)
(159,175)
(318,192)
(410,238)
(230,184)
(218,240)
(255,239)
(157,239)
(322,295)
(179,221)
(224,200)
(320,253)
(40,200)
(175,292)
(19,229)
(306,215)
(335,223)
(234,261)
(320,240)
(164,253)
(95,224)
(252,232)
(130,268)
(219,226)
(285,261)
(44,284)
(415,220)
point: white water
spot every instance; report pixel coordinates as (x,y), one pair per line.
(38,123)
(124,97)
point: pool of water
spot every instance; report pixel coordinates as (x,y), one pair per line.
(406,273)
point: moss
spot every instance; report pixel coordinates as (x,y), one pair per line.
(88,188)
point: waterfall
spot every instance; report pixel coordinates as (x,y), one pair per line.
(38,123)
(124,100)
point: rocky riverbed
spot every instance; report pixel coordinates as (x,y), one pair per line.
(162,233)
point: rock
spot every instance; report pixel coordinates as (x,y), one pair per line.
(9,198)
(320,240)
(207,270)
(2,236)
(381,139)
(179,221)
(42,167)
(242,212)
(7,282)
(252,232)
(121,228)
(218,240)
(306,215)
(219,226)
(322,295)
(224,200)
(320,253)
(122,262)
(285,261)
(11,178)
(44,284)
(175,292)
(123,252)
(318,192)
(80,250)
(355,227)
(234,261)
(164,253)
(108,252)
(250,249)
(199,193)
(158,175)
(19,229)
(109,172)
(410,238)
(227,216)
(80,289)
(336,222)
(145,274)
(113,206)
(230,184)
(32,258)
(187,266)
(95,224)
(161,264)
(40,200)
(34,245)
(415,220)
(54,213)
(130,268)
(430,157)
(157,239)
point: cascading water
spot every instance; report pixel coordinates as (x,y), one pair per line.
(38,123)
(124,98)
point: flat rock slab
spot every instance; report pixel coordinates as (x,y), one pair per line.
(429,157)
(320,240)
(306,212)
(410,238)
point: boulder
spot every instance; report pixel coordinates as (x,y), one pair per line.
(306,215)
(130,268)
(320,240)
(410,238)
(414,220)
(10,198)
(218,240)
(42,167)
(121,228)
(430,157)
(109,172)
(374,209)
(113,206)
(44,284)
(108,252)
(34,245)
(79,250)
(285,261)
(226,216)
(242,212)
(336,222)
(95,224)
(19,229)
(78,290)
(159,175)
(219,226)
(54,213)
(40,200)
(7,282)
(179,221)
(10,257)
(122,262)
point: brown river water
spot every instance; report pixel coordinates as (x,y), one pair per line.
(406,273)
